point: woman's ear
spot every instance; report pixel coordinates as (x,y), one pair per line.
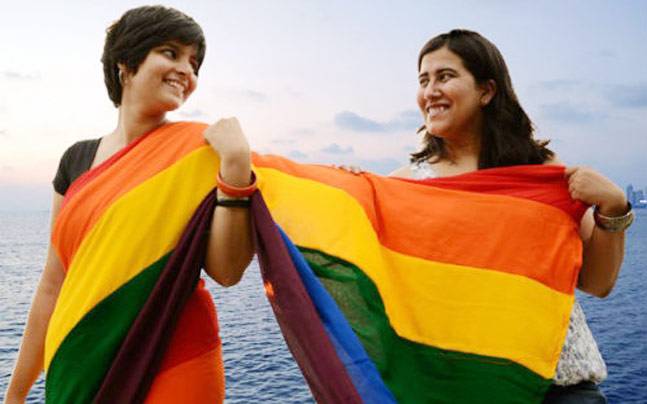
(122,74)
(488,91)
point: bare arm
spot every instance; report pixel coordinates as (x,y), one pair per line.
(602,258)
(603,250)
(30,357)
(230,247)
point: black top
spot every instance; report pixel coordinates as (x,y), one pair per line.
(76,160)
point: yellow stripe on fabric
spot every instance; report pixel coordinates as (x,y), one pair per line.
(447,306)
(129,237)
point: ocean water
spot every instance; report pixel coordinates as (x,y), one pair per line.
(258,365)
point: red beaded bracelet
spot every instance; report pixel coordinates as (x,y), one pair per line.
(237,192)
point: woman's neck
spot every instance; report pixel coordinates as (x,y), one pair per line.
(133,123)
(463,154)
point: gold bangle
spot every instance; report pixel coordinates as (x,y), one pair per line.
(613,224)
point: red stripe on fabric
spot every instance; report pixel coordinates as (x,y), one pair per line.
(541,183)
(196,331)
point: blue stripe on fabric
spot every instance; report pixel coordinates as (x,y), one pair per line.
(360,367)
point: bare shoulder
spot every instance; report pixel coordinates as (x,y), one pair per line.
(402,172)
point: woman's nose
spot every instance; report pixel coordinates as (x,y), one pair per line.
(185,67)
(432,90)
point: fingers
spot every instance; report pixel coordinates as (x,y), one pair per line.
(348,168)
(570,171)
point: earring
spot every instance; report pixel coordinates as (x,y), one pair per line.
(120,75)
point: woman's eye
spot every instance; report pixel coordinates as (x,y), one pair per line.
(444,77)
(170,53)
(423,83)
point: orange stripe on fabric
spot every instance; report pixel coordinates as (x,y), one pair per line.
(92,173)
(537,240)
(200,380)
(352,184)
(153,154)
(507,234)
(196,331)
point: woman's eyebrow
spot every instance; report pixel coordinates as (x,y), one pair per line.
(445,70)
(172,44)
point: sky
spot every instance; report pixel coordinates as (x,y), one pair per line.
(328,81)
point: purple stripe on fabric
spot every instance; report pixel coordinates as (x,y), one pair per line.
(140,355)
(300,324)
(351,352)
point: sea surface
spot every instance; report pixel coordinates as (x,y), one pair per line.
(258,365)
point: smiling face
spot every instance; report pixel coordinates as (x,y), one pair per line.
(449,98)
(164,80)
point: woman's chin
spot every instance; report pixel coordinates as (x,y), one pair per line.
(170,105)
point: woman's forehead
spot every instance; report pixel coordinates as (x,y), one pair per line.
(440,59)
(193,48)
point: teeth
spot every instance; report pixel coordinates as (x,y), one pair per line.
(435,110)
(175,84)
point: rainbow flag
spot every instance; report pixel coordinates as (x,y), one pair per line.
(386,290)
(453,290)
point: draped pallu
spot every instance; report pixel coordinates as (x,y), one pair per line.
(446,290)
(118,228)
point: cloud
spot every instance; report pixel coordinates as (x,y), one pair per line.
(253,95)
(195,113)
(283,141)
(566,113)
(620,95)
(552,85)
(14,75)
(380,166)
(352,121)
(628,96)
(604,54)
(294,93)
(303,131)
(334,148)
(295,154)
(406,120)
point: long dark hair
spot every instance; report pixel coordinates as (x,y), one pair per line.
(507,137)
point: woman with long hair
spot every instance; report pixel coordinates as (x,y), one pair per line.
(473,121)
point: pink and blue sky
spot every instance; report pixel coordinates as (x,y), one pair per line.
(328,81)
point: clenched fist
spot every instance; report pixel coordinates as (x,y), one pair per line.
(227,139)
(593,188)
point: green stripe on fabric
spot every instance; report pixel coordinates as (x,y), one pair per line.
(414,372)
(85,355)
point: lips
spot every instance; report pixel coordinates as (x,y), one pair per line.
(177,84)
(436,109)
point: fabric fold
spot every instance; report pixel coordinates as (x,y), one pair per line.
(386,290)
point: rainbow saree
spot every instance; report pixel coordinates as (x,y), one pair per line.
(452,290)
(121,332)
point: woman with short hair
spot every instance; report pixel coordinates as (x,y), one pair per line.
(120,206)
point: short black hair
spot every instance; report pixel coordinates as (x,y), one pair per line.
(129,39)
